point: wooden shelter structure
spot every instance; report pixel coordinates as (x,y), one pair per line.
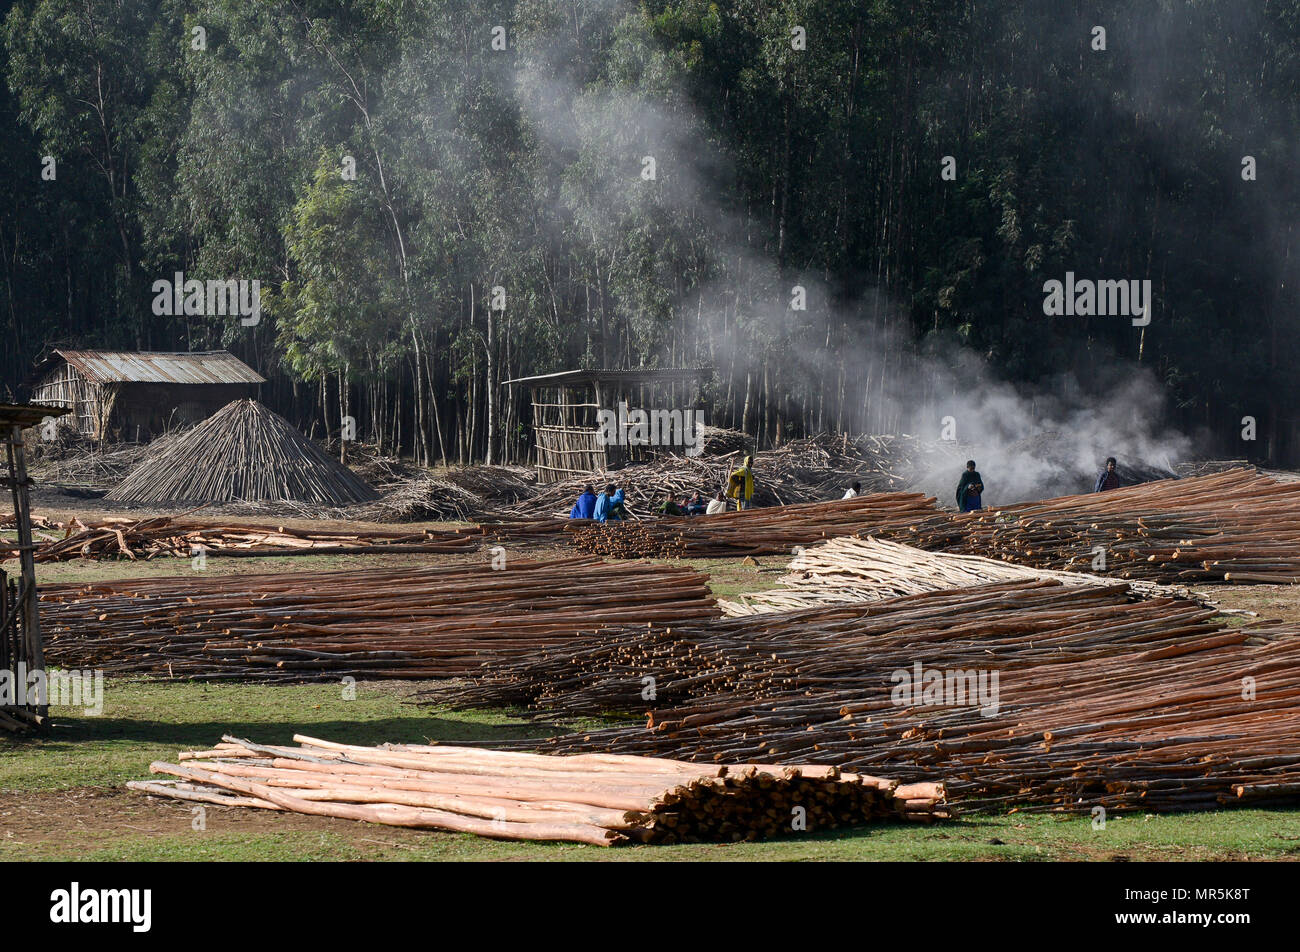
(140,395)
(21,651)
(566,407)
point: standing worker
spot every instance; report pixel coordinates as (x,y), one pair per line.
(1107,478)
(970,490)
(740,484)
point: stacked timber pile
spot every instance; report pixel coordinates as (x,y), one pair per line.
(755,531)
(116,537)
(862,570)
(850,647)
(1026,695)
(591,798)
(367,623)
(1235,526)
(243,452)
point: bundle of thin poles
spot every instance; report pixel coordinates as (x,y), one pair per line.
(755,531)
(850,569)
(1024,695)
(597,799)
(1234,526)
(369,623)
(117,537)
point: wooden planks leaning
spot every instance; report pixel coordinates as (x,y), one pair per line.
(597,799)
(408,622)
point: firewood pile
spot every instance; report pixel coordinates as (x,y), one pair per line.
(755,531)
(850,569)
(1235,526)
(243,452)
(1028,696)
(465,492)
(591,798)
(407,622)
(116,537)
(81,464)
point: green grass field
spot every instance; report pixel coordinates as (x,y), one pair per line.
(62,796)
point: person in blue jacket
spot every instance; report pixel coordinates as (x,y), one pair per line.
(609,505)
(585,507)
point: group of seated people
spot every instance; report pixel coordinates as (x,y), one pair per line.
(609,506)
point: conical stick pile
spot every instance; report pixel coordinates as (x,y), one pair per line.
(371,623)
(243,452)
(595,799)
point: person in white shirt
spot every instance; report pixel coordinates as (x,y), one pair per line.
(852,491)
(717,504)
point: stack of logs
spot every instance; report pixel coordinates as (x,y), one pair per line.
(116,537)
(370,623)
(1025,695)
(597,799)
(755,531)
(1234,526)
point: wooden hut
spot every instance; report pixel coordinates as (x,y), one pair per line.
(138,395)
(566,406)
(21,650)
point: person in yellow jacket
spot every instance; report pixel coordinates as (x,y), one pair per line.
(740,484)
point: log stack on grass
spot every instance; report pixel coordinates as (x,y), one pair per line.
(1023,696)
(118,537)
(595,799)
(408,622)
(243,452)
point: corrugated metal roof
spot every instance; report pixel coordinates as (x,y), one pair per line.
(121,366)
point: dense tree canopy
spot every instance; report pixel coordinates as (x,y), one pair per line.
(380,166)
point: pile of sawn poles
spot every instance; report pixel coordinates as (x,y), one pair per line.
(755,531)
(1099,700)
(593,798)
(369,623)
(850,569)
(1234,526)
